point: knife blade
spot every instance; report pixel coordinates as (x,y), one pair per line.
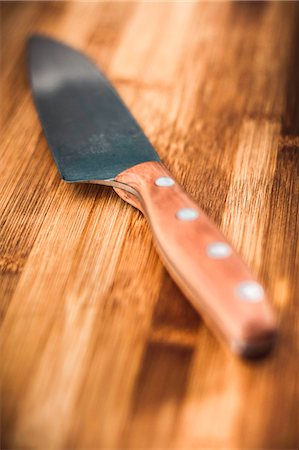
(95,139)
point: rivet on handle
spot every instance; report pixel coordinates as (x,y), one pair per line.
(218,250)
(186,214)
(164,182)
(250,291)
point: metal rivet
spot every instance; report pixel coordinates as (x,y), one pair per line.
(164,182)
(186,214)
(219,250)
(250,291)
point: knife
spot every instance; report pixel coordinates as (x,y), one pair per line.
(95,139)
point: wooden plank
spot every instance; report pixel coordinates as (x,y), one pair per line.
(99,347)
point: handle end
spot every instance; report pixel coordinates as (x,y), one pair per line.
(258,339)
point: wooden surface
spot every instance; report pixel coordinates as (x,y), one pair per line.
(99,348)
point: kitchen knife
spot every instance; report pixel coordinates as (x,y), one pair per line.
(95,139)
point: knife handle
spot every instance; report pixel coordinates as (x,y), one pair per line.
(198,257)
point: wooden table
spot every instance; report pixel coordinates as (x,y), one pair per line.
(99,348)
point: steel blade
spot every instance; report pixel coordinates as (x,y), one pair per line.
(90,131)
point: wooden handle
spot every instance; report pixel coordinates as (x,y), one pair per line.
(203,264)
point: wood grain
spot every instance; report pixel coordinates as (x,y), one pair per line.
(99,349)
